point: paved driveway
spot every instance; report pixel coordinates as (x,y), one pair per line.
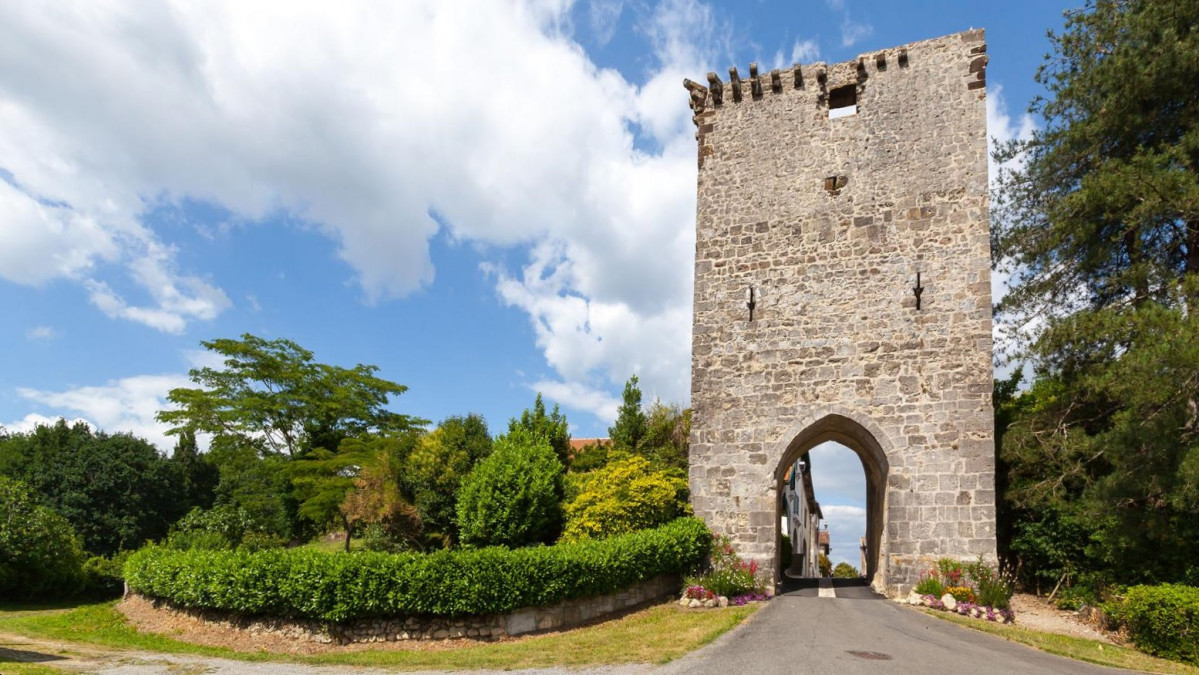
(851,630)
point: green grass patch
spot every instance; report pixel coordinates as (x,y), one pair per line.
(101,624)
(8,667)
(658,634)
(1079,649)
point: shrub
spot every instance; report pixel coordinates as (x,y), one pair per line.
(787,553)
(930,584)
(991,589)
(40,555)
(951,571)
(624,496)
(844,570)
(105,577)
(1164,620)
(221,527)
(511,498)
(300,583)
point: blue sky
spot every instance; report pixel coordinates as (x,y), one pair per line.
(484,199)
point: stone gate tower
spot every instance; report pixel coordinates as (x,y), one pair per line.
(842,292)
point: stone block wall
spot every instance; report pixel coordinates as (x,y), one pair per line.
(830,222)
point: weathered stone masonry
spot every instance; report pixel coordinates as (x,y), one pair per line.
(829,222)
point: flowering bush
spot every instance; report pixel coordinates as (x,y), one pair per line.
(961,593)
(727,575)
(698,593)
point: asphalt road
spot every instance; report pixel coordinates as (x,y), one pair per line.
(859,632)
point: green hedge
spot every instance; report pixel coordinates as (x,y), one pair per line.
(338,587)
(1164,620)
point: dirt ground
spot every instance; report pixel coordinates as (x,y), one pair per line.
(1033,612)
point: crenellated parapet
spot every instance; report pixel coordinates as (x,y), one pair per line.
(827,85)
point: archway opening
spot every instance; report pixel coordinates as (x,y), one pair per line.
(829,441)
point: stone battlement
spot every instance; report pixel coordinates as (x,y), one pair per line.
(824,83)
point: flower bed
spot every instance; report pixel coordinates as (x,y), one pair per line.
(969,589)
(728,580)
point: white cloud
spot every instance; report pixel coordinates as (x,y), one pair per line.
(580,397)
(1008,333)
(805,51)
(41,333)
(852,32)
(362,122)
(846,526)
(604,16)
(32,421)
(128,404)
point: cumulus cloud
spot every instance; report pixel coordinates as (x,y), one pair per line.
(364,123)
(846,526)
(128,404)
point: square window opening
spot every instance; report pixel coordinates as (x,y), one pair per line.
(843,101)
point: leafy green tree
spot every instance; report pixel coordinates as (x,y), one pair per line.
(378,499)
(552,427)
(115,490)
(199,476)
(631,425)
(39,553)
(271,394)
(260,486)
(667,435)
(844,570)
(323,479)
(1099,226)
(443,458)
(625,495)
(512,498)
(825,565)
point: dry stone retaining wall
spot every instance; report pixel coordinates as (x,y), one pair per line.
(829,222)
(562,615)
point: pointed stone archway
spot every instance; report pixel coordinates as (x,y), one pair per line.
(841,429)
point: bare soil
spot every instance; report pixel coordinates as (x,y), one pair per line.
(1034,613)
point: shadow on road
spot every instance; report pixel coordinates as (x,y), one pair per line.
(845,589)
(8,655)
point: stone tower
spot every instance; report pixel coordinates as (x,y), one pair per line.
(842,292)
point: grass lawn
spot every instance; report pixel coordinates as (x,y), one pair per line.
(1076,648)
(655,635)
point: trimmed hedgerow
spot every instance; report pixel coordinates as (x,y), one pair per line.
(1164,620)
(339,587)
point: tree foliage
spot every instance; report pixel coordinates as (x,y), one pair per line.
(273,395)
(625,495)
(512,498)
(378,499)
(844,570)
(551,427)
(631,424)
(1100,229)
(439,463)
(115,490)
(39,553)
